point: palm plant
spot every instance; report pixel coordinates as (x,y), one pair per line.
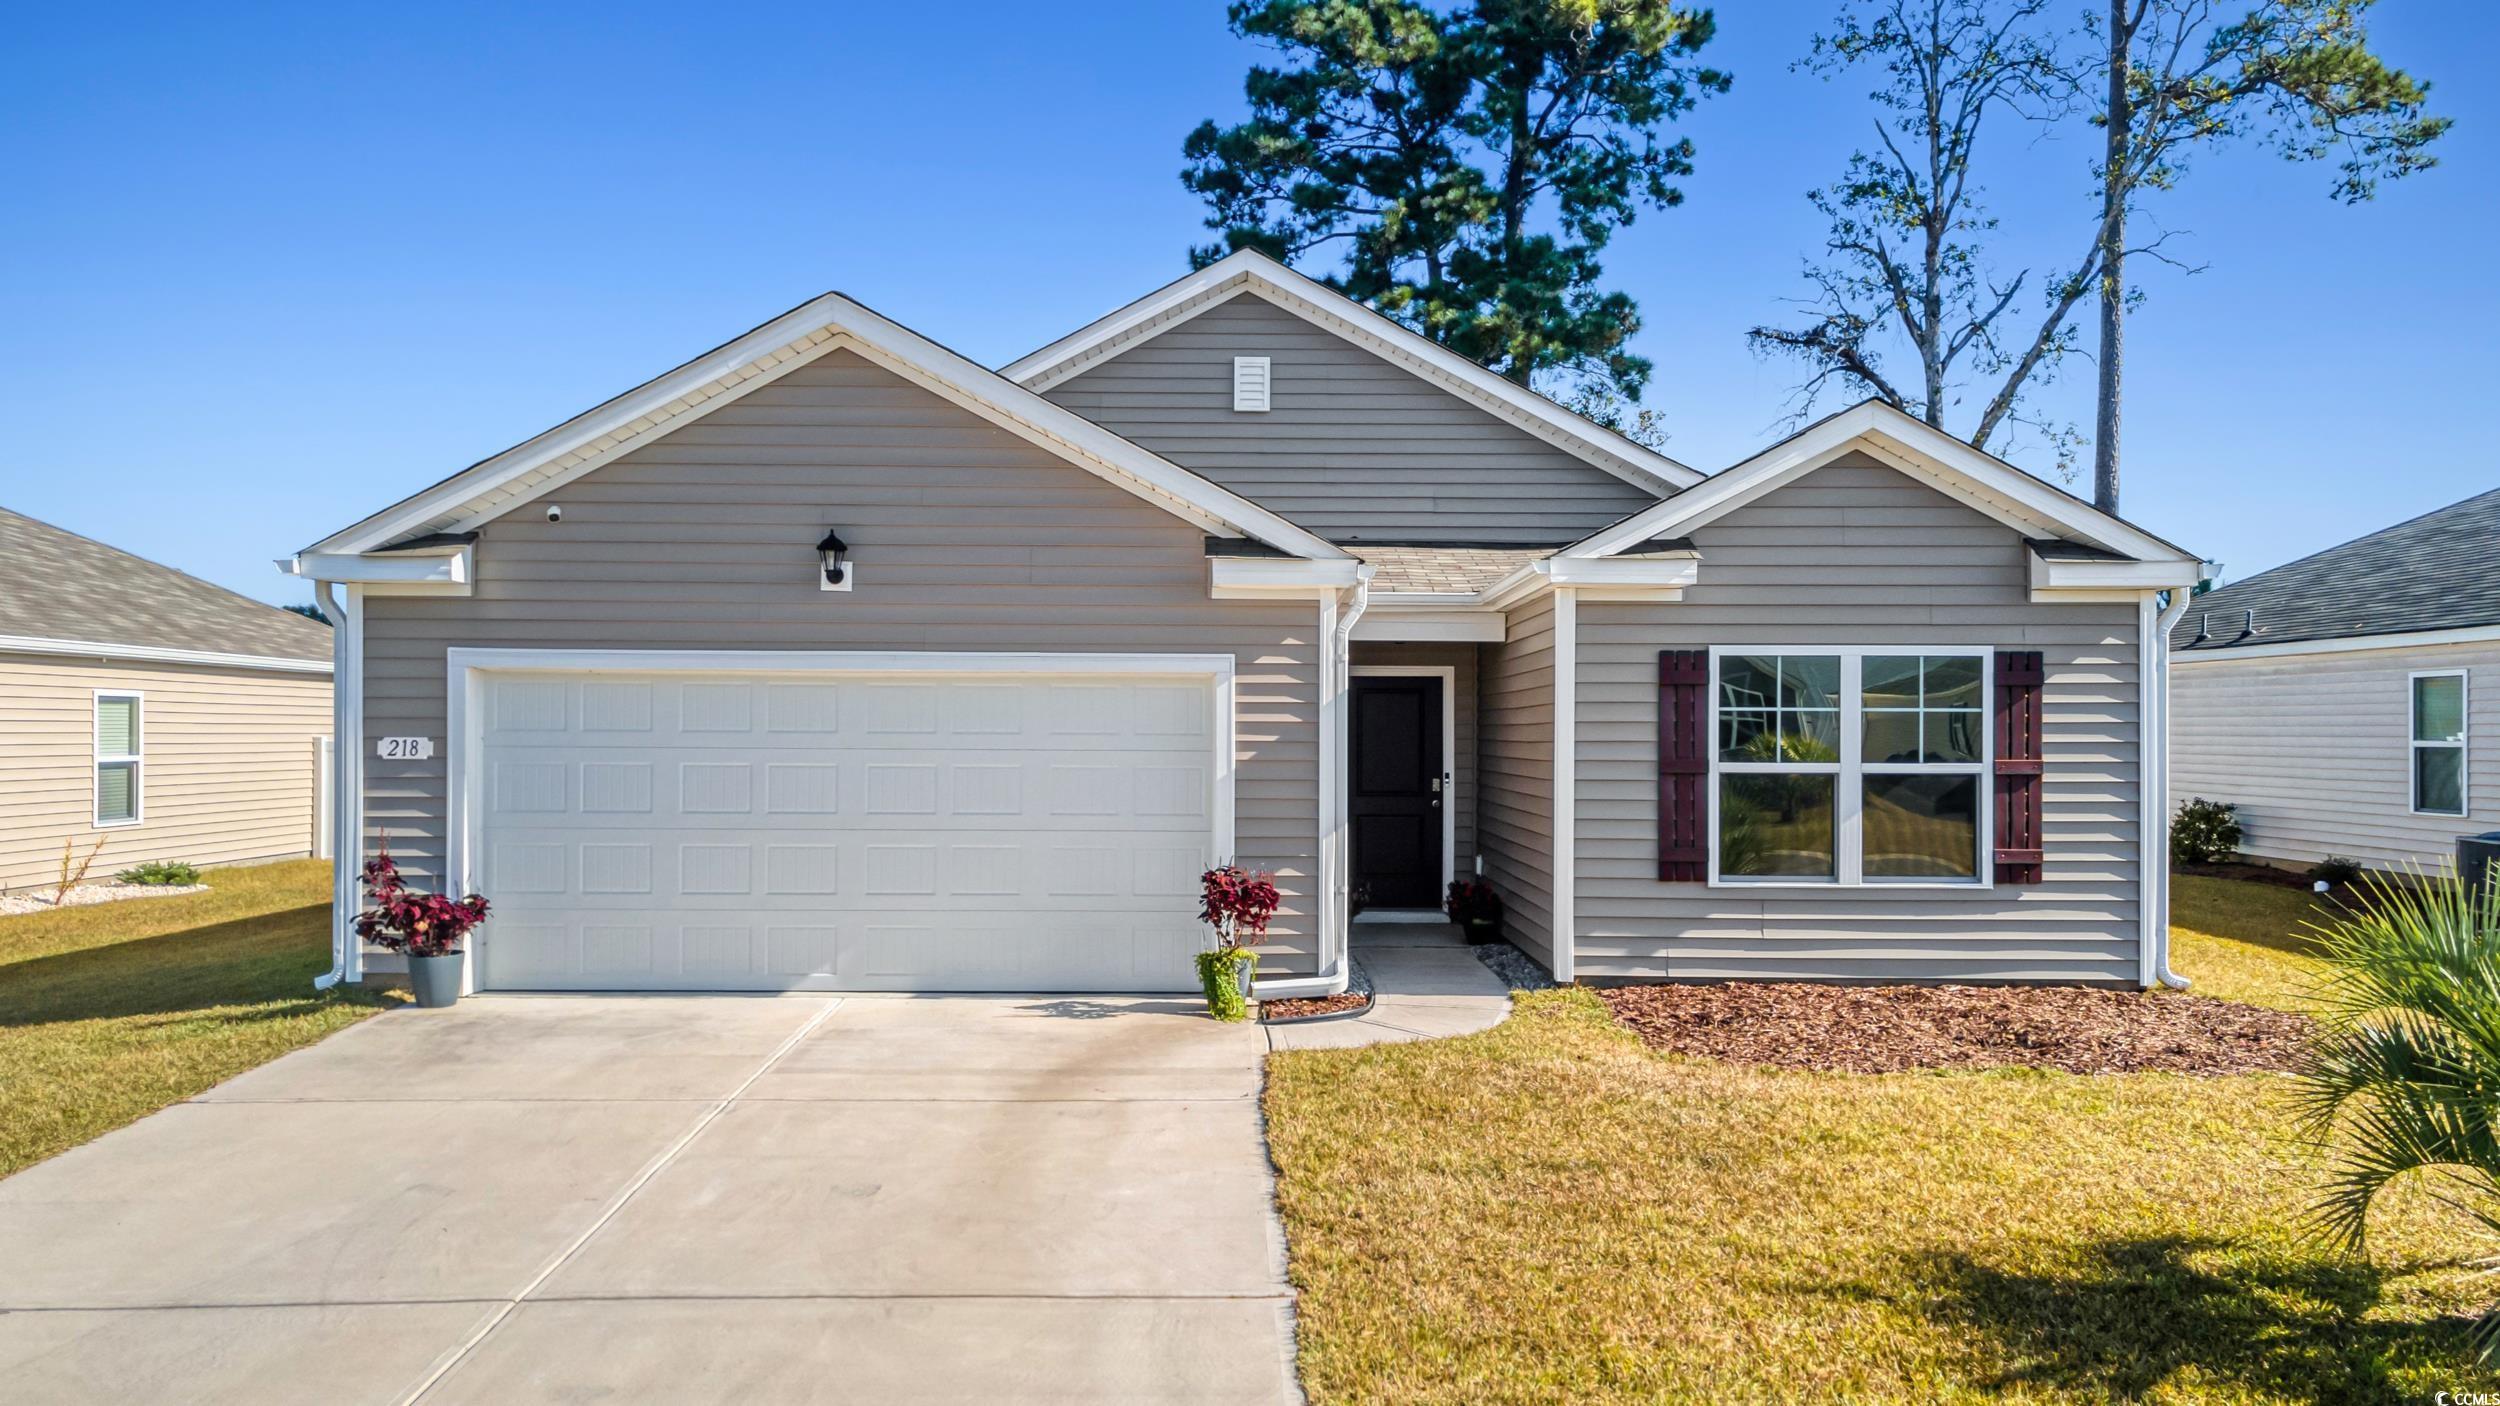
(2406,1072)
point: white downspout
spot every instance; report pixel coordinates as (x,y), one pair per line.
(1336,665)
(2156,730)
(347,772)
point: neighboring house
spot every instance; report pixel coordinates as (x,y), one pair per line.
(156,714)
(1241,571)
(2348,703)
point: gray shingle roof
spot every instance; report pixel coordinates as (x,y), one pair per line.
(61,586)
(1460,570)
(2432,573)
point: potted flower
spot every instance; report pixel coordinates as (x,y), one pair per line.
(429,927)
(1476,908)
(1237,904)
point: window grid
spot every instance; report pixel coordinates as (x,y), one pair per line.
(120,747)
(1851,771)
(2443,752)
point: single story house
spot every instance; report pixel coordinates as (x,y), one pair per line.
(2340,701)
(832,659)
(150,713)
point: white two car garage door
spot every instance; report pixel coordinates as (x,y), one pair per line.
(822,831)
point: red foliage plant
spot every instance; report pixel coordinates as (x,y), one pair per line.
(403,920)
(1235,901)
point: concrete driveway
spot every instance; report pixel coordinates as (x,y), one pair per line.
(675,1199)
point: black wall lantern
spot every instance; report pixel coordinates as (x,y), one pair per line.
(837,573)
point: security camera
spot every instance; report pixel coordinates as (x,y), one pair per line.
(554,513)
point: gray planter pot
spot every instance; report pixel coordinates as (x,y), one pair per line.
(1245,972)
(435,980)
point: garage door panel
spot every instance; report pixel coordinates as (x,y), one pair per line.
(718,832)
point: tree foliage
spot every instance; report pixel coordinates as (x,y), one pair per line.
(1907,305)
(1904,269)
(1463,169)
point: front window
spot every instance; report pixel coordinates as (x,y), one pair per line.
(117,759)
(1849,766)
(2439,743)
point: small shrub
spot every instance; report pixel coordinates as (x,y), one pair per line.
(405,920)
(2334,871)
(165,873)
(1237,904)
(1472,901)
(2205,832)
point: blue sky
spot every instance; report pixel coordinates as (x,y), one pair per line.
(264,269)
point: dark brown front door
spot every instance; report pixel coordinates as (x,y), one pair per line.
(1396,797)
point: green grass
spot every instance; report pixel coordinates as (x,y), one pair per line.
(1550,1211)
(110,1012)
(2244,941)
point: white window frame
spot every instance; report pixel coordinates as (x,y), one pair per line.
(2462,746)
(136,758)
(1850,772)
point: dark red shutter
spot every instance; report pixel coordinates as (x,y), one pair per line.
(1683,765)
(2018,767)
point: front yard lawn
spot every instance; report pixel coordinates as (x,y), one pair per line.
(110,1012)
(1550,1211)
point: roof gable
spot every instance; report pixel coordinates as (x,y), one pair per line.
(485,490)
(1250,272)
(1904,443)
(59,587)
(2428,573)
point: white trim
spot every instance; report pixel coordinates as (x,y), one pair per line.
(2048,578)
(1329,881)
(2341,644)
(2463,746)
(447,572)
(1236,578)
(1564,938)
(151,654)
(464,667)
(1387,620)
(135,759)
(1388,917)
(1615,578)
(547,461)
(1981,481)
(2153,784)
(1848,824)
(1323,307)
(1448,675)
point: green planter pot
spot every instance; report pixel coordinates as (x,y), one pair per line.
(435,980)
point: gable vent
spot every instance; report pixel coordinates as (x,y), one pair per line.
(1249,383)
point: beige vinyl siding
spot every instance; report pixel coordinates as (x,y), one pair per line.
(1857,554)
(2313,749)
(1354,446)
(226,777)
(964,536)
(1515,759)
(1460,659)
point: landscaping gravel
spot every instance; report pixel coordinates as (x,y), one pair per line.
(40,900)
(1886,1029)
(1517,969)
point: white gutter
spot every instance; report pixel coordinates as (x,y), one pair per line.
(153,654)
(1335,668)
(347,774)
(2154,730)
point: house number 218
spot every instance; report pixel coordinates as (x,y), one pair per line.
(404,749)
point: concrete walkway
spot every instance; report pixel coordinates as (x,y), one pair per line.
(679,1199)
(1426,984)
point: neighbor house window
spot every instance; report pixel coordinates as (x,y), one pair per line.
(2439,743)
(117,759)
(1849,766)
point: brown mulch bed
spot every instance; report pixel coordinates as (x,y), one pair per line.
(1887,1029)
(1305,1007)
